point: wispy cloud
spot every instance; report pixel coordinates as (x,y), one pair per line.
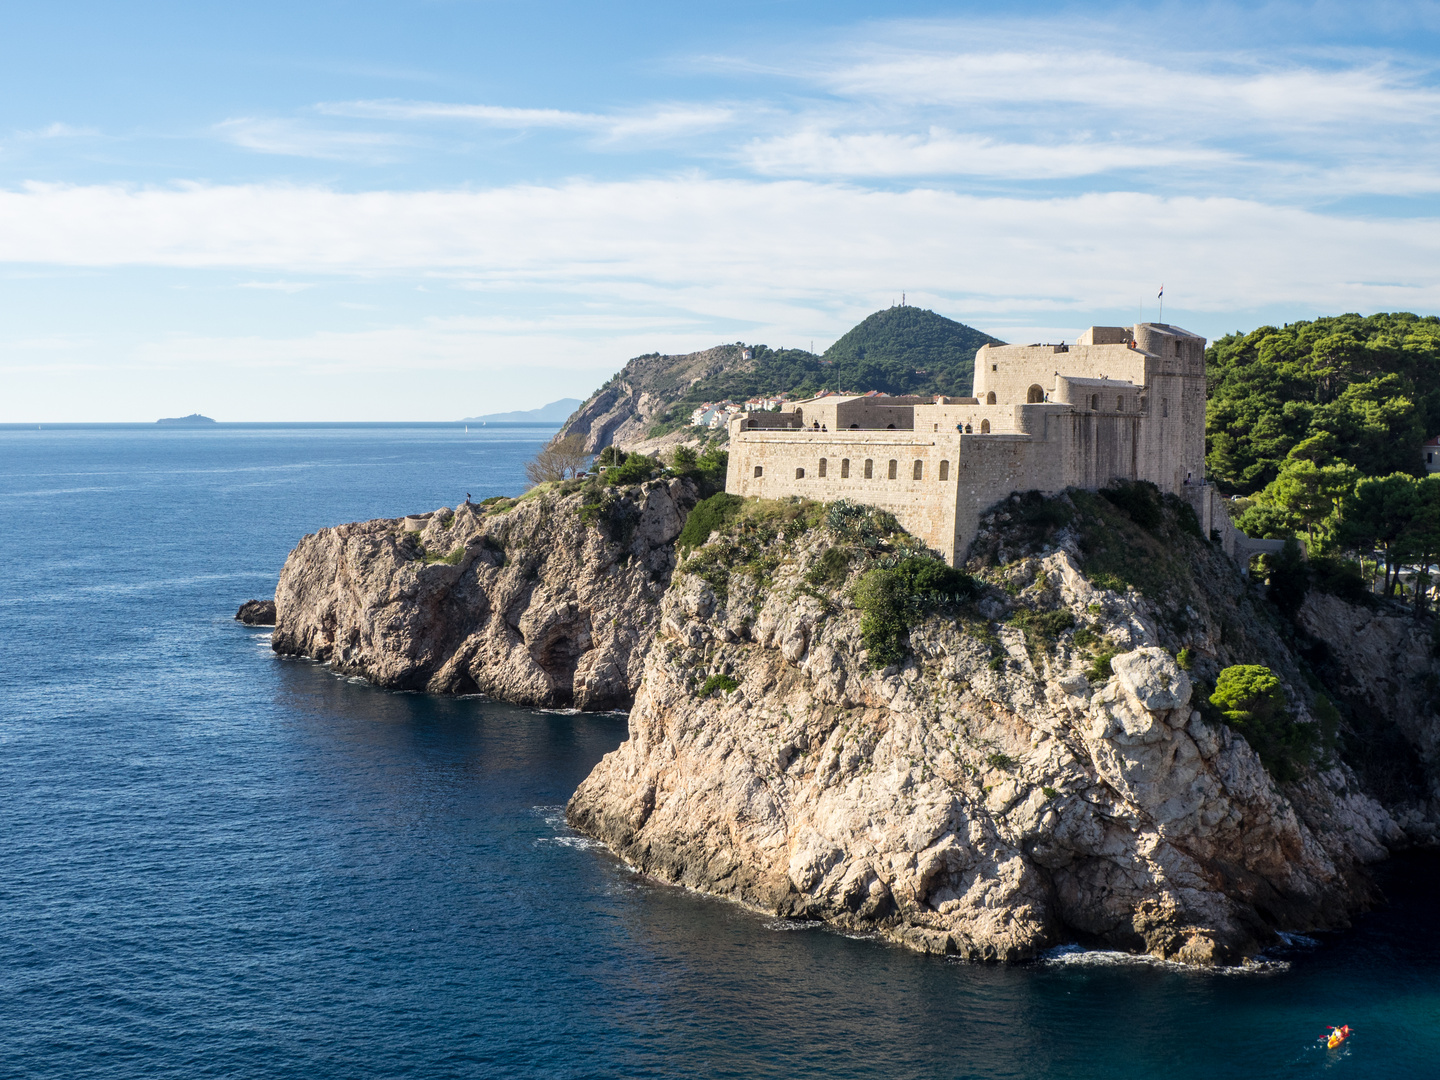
(938,152)
(665,120)
(297,138)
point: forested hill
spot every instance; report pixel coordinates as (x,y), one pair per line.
(1343,389)
(900,350)
(908,350)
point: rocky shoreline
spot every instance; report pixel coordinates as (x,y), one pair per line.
(548,600)
(1028,764)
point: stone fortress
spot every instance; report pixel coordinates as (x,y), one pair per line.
(1122,403)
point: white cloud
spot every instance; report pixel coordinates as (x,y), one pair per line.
(944,153)
(294,138)
(658,121)
(734,247)
(278,286)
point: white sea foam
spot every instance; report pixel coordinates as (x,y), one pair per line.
(1079,956)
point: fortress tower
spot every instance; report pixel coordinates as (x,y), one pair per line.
(1122,403)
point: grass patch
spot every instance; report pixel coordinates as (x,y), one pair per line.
(998,760)
(1050,792)
(1042,628)
(452,559)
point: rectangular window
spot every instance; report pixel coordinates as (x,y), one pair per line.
(919,469)
(1164,407)
(869,469)
(845,468)
(759,471)
(823,463)
(1119,404)
(894,468)
(944,470)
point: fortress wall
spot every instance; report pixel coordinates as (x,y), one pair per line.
(926,507)
(1010,370)
(839,413)
(991,467)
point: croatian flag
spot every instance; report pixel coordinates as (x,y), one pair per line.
(1161,292)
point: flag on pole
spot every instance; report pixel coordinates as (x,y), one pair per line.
(1162,291)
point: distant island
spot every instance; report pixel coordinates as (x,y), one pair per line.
(557,412)
(193,420)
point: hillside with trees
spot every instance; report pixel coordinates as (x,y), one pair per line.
(900,350)
(1319,425)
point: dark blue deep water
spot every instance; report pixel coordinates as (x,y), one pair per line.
(215,863)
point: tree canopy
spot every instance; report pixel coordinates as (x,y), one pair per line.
(1345,389)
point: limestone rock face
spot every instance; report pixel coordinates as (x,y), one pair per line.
(983,798)
(542,601)
(1387,666)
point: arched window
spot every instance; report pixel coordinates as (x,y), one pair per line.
(759,471)
(854,427)
(984,427)
(845,468)
(821,472)
(990,398)
(1094,402)
(1035,395)
(889,427)
(919,469)
(869,469)
(1119,404)
(894,468)
(944,470)
(799,474)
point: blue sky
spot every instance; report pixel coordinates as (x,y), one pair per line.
(352,211)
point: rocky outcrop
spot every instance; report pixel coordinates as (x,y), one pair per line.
(257,613)
(999,791)
(623,411)
(549,600)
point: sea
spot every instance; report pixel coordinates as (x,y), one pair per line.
(215,862)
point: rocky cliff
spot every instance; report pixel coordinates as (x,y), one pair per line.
(1029,765)
(549,600)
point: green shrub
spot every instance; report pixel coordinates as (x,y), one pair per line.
(1289,579)
(1050,792)
(892,599)
(1086,637)
(998,760)
(708,515)
(1185,658)
(635,469)
(1339,577)
(718,682)
(1100,669)
(1138,498)
(1252,701)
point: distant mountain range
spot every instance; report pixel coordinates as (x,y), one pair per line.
(557,412)
(193,420)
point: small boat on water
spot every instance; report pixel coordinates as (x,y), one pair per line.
(1337,1036)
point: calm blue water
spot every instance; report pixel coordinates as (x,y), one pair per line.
(218,863)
